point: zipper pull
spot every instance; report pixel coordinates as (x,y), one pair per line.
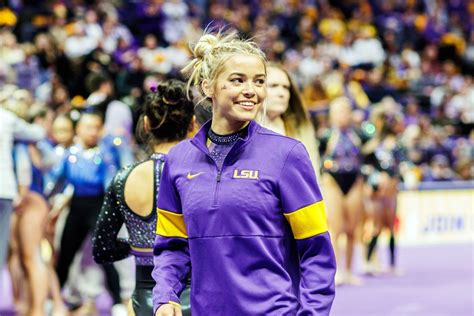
(219,176)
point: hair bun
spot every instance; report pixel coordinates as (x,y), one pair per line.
(172,91)
(169,113)
(205,45)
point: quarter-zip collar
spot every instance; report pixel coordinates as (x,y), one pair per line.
(200,139)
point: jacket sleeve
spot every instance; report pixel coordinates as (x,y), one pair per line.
(23,168)
(170,251)
(106,247)
(49,158)
(57,177)
(27,132)
(109,168)
(303,207)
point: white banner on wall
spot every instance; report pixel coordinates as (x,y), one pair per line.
(436,216)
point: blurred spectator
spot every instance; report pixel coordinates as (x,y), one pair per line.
(439,170)
(412,113)
(11,129)
(149,53)
(101,89)
(176,20)
(79,43)
(113,31)
(28,74)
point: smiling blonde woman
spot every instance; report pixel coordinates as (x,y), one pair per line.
(237,204)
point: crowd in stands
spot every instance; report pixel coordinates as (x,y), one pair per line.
(416,57)
(407,63)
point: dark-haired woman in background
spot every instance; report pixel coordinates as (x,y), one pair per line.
(131,198)
(383,155)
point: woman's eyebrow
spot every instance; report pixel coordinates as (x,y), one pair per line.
(237,74)
(244,75)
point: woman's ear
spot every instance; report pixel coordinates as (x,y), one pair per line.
(146,124)
(207,89)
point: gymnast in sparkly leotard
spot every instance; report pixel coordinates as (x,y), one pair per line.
(342,184)
(383,154)
(131,198)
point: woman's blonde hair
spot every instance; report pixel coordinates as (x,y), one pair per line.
(210,53)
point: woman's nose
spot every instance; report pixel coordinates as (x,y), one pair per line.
(248,90)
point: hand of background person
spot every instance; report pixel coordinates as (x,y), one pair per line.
(21,199)
(18,203)
(50,226)
(168,310)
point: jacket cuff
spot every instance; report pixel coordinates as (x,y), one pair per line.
(163,303)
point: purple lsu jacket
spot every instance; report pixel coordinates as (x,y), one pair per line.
(255,231)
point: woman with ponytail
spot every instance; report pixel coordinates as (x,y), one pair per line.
(131,197)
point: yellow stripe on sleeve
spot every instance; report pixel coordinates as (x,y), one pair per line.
(170,224)
(308,221)
(174,303)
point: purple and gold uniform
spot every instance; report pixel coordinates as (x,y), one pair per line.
(255,229)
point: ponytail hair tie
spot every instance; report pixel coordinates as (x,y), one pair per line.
(169,102)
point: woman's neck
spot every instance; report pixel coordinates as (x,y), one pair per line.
(275,124)
(225,128)
(164,148)
(273,115)
(85,145)
(66,144)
